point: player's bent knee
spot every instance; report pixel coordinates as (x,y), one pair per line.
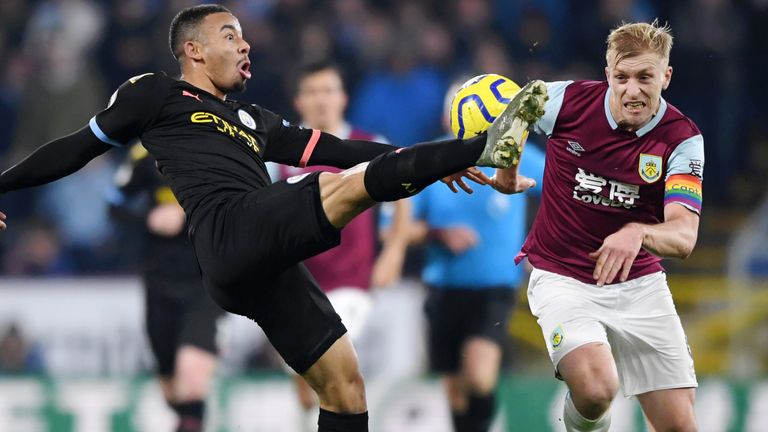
(597,389)
(344,395)
(597,394)
(343,195)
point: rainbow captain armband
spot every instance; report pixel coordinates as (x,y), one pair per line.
(683,189)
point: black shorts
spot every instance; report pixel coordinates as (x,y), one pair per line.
(178,313)
(456,315)
(250,250)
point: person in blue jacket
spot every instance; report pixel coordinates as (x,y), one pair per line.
(471,275)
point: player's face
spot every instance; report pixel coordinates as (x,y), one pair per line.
(225,52)
(321,100)
(636,84)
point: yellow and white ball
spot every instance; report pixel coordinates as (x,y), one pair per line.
(478,102)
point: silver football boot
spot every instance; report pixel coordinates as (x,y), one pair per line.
(506,134)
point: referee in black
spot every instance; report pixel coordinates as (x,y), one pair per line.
(181,318)
(250,235)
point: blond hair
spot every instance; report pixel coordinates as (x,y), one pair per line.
(631,39)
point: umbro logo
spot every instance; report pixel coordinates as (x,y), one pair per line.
(575,148)
(192,95)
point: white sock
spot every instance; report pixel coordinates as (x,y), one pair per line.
(575,422)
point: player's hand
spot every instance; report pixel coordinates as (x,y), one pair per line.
(617,253)
(472,173)
(166,220)
(457,239)
(508,181)
(2,221)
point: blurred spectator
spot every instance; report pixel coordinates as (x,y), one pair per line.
(77,205)
(18,356)
(37,251)
(710,34)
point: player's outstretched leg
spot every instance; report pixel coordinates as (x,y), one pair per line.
(406,171)
(337,380)
(400,174)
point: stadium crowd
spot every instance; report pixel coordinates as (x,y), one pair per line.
(61,59)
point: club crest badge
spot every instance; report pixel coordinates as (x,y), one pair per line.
(246,119)
(649,167)
(557,337)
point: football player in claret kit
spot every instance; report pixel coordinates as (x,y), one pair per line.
(250,235)
(344,272)
(622,188)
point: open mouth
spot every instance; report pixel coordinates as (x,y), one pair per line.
(634,105)
(245,69)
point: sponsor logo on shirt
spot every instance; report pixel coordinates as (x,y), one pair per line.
(575,148)
(190,94)
(696,167)
(594,189)
(649,167)
(225,128)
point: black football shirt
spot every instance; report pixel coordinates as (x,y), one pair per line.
(207,148)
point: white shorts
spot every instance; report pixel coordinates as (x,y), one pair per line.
(636,319)
(353,306)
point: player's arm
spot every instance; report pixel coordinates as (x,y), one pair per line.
(388,266)
(673,238)
(296,146)
(54,160)
(130,109)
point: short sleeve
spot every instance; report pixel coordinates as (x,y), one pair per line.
(685,171)
(280,130)
(131,109)
(687,158)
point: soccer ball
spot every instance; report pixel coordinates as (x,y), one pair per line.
(478,102)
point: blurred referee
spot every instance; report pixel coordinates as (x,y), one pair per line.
(180,315)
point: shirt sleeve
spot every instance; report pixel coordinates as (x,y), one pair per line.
(130,110)
(287,143)
(556,94)
(685,172)
(297,146)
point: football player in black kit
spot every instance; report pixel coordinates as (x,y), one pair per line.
(181,318)
(249,235)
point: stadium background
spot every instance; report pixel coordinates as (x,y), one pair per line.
(72,351)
